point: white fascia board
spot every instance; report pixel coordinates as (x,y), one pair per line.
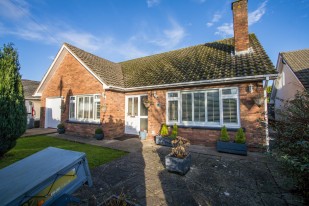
(84,65)
(36,93)
(197,83)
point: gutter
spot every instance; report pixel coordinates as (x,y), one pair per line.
(196,83)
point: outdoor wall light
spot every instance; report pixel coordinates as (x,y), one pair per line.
(250,88)
(104,108)
(103,95)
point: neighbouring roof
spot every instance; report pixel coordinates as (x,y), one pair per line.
(29,87)
(209,61)
(298,61)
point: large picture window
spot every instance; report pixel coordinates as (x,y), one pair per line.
(85,108)
(214,107)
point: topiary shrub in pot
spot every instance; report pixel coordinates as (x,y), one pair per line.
(60,128)
(99,135)
(179,160)
(163,138)
(237,147)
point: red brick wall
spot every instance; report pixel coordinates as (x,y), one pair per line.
(249,115)
(240,19)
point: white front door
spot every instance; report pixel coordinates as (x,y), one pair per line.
(52,112)
(136,118)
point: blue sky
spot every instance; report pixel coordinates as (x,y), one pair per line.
(119,30)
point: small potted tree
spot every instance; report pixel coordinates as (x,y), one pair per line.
(237,147)
(164,138)
(179,160)
(98,134)
(60,128)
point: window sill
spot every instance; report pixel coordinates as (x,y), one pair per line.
(231,129)
(78,122)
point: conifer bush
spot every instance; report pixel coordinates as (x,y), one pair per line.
(240,136)
(174,131)
(13,116)
(224,135)
(164,130)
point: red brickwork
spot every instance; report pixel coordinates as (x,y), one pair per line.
(240,19)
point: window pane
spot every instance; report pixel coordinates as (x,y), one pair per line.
(229,111)
(144,110)
(213,107)
(173,111)
(97,113)
(86,107)
(80,107)
(187,107)
(91,108)
(130,106)
(144,124)
(172,94)
(135,106)
(229,91)
(199,107)
(72,110)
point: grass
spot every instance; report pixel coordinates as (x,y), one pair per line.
(27,146)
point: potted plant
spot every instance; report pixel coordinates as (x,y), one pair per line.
(98,134)
(147,103)
(237,147)
(179,160)
(60,128)
(143,134)
(163,138)
(119,200)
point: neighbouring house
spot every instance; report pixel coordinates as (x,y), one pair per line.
(33,104)
(293,76)
(199,88)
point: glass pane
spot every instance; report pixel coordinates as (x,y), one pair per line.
(135,106)
(97,110)
(187,107)
(229,111)
(173,110)
(213,107)
(130,106)
(229,91)
(144,110)
(80,107)
(91,108)
(72,110)
(86,108)
(199,107)
(144,124)
(172,94)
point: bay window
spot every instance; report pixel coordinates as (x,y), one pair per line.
(84,108)
(213,107)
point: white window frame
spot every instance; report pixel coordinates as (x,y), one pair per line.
(94,109)
(205,123)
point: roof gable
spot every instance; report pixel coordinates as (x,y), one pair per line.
(298,61)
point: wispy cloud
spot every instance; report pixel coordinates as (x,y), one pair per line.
(199,1)
(172,36)
(216,17)
(256,15)
(151,3)
(226,29)
(14,9)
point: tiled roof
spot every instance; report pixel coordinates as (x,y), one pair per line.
(299,63)
(210,61)
(29,88)
(108,71)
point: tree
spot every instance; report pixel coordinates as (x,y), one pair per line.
(224,135)
(13,117)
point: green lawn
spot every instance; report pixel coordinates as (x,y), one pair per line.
(28,145)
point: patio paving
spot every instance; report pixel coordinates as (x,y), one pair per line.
(214,178)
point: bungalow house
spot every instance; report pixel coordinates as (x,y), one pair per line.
(33,104)
(199,88)
(293,76)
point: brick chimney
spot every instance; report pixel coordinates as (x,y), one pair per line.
(240,20)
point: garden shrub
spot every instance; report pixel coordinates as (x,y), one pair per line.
(240,136)
(292,139)
(224,135)
(174,131)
